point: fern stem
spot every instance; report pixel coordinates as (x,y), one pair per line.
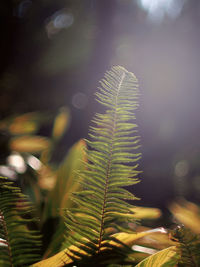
(190,254)
(7,237)
(109,165)
(104,201)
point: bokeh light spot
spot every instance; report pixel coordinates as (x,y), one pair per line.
(181,168)
(79,100)
(3,242)
(34,163)
(23,8)
(16,161)
(144,249)
(61,19)
(7,171)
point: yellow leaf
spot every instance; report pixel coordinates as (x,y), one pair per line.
(157,240)
(46,177)
(61,258)
(60,124)
(140,213)
(31,144)
(165,258)
(146,213)
(58,260)
(66,183)
(24,124)
(187,213)
(25,128)
(129,239)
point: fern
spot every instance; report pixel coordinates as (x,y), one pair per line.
(18,246)
(188,245)
(112,165)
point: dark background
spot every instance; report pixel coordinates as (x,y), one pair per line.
(53,53)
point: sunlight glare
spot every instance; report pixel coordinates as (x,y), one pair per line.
(34,163)
(17,162)
(8,172)
(144,249)
(3,242)
(63,20)
(157,230)
(157,9)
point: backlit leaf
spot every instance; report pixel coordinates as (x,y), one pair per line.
(187,213)
(61,258)
(66,183)
(165,258)
(58,260)
(59,197)
(146,213)
(61,122)
(31,144)
(111,164)
(23,124)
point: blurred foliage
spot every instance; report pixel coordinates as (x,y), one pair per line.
(23,124)
(46,42)
(59,196)
(31,144)
(60,124)
(29,154)
(188,245)
(19,245)
(49,187)
(186,213)
(146,213)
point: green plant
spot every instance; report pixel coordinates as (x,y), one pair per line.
(188,244)
(95,224)
(19,246)
(110,167)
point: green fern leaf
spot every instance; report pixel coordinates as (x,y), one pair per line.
(19,246)
(112,164)
(188,245)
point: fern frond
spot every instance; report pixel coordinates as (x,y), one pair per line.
(188,244)
(18,246)
(112,164)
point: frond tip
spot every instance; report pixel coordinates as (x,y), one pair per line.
(112,164)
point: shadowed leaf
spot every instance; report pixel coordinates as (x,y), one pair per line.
(61,258)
